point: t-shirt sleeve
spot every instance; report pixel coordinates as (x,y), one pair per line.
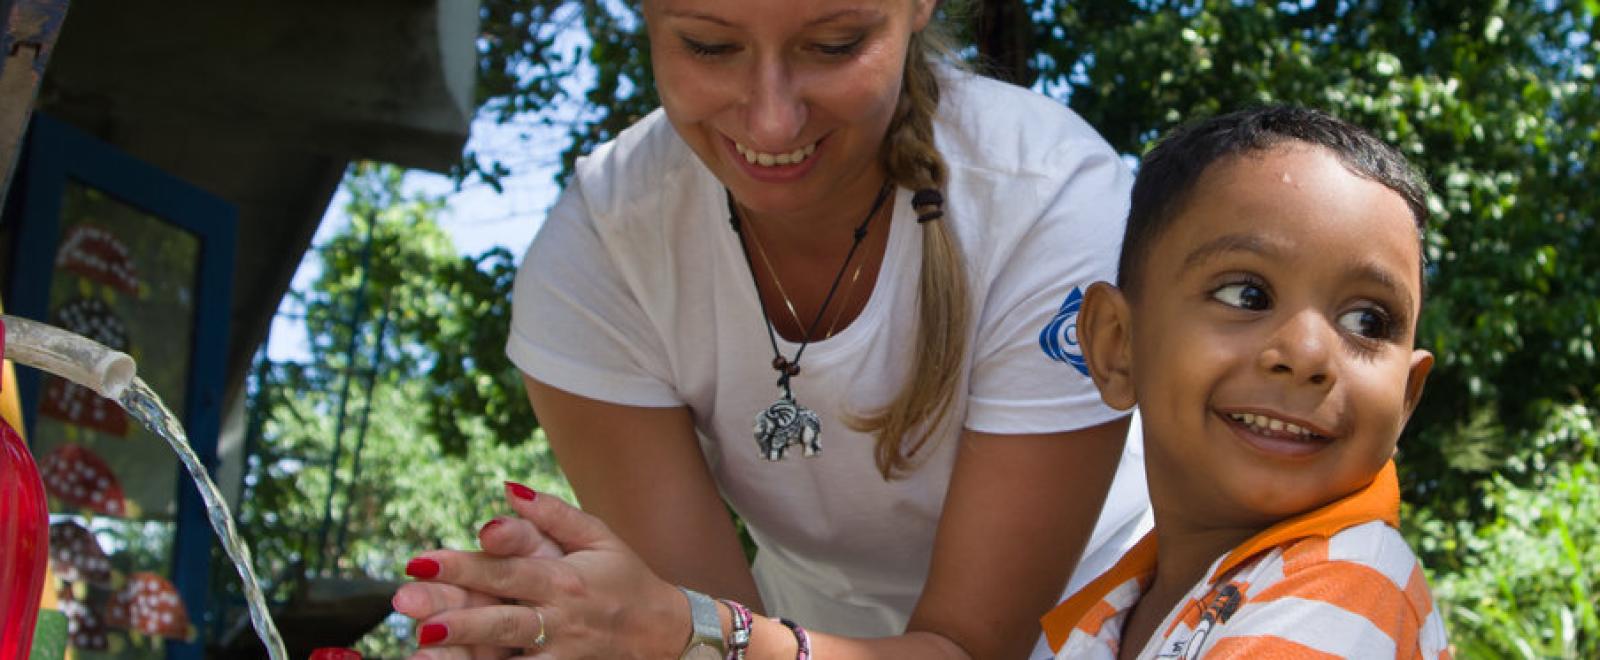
(1028,372)
(576,325)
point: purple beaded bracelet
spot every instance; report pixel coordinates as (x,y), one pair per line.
(799,636)
(741,630)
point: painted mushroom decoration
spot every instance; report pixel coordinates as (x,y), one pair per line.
(76,556)
(149,604)
(72,403)
(80,406)
(80,478)
(93,318)
(85,630)
(96,254)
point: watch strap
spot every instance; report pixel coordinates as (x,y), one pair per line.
(707,622)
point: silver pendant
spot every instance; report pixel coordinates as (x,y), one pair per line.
(786,423)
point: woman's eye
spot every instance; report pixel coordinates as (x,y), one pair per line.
(1243,295)
(701,49)
(840,48)
(1368,322)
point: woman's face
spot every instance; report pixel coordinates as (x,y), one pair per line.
(786,101)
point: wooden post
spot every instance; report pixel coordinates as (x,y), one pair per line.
(28,30)
(1004,38)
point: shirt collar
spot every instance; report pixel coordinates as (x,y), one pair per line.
(1138,563)
(1378,500)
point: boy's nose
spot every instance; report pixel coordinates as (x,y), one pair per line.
(775,112)
(1302,348)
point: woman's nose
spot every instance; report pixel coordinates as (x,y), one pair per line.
(1302,348)
(775,113)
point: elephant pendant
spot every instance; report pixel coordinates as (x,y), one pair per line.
(786,423)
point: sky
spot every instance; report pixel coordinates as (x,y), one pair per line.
(476,217)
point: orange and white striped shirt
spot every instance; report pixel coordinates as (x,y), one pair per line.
(1335,582)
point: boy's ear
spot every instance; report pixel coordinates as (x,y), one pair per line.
(1105,328)
(1416,377)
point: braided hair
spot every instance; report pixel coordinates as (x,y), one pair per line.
(912,160)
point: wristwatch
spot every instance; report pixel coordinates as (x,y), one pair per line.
(705,641)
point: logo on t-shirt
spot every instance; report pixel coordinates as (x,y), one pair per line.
(1060,336)
(1223,605)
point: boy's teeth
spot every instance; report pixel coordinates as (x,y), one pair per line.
(768,160)
(1264,422)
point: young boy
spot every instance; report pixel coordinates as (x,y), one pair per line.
(1264,321)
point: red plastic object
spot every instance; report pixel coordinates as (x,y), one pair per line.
(335,653)
(24,541)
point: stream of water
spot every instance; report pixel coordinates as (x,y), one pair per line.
(145,406)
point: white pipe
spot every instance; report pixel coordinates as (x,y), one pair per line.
(70,356)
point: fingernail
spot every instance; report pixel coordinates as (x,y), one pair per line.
(432,633)
(520,491)
(422,568)
(489,525)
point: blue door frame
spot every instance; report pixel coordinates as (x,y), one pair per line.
(56,153)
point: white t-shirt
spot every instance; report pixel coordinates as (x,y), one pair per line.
(636,292)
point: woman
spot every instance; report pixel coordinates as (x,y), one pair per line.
(819,204)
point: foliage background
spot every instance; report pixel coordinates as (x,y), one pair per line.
(1494,100)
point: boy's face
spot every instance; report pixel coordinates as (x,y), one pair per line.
(1270,349)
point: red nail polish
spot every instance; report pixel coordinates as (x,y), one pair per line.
(432,633)
(335,653)
(422,568)
(520,491)
(489,525)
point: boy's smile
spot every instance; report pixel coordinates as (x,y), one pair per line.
(1272,339)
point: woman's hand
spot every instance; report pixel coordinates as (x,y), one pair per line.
(509,536)
(554,581)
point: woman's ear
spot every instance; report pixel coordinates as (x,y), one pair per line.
(922,13)
(1105,328)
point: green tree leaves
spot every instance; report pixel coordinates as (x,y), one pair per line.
(407,351)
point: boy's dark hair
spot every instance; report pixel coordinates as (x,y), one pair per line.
(1167,175)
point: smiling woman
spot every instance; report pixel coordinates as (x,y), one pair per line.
(902,235)
(746,99)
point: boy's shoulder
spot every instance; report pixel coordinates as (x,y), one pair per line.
(1360,592)
(1372,555)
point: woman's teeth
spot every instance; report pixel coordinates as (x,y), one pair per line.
(768,160)
(1266,423)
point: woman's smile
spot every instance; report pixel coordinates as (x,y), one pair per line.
(770,167)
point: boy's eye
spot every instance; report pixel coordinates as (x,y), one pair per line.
(1368,322)
(1243,295)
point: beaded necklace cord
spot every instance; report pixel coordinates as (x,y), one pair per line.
(786,423)
(785,367)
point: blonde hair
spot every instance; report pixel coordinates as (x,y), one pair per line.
(912,160)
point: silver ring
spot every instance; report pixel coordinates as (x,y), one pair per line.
(542,639)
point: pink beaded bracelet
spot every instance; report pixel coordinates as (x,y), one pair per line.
(799,636)
(740,640)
